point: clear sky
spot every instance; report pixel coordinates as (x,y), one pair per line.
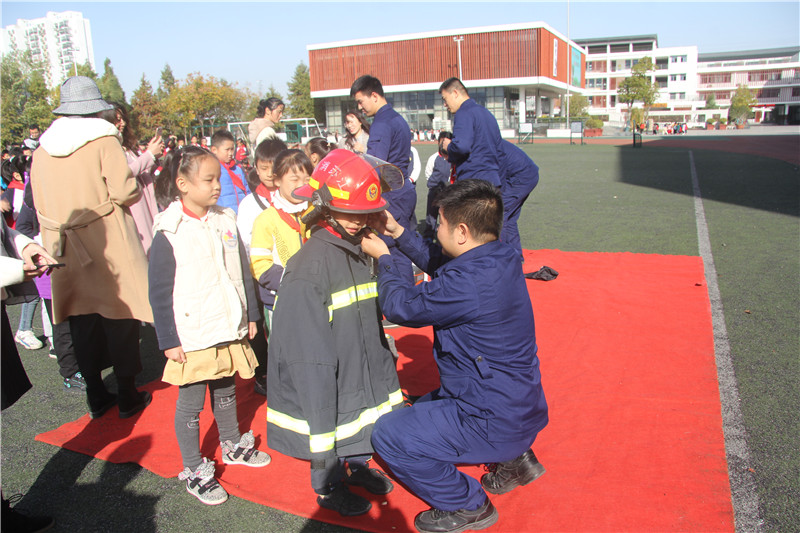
(258,44)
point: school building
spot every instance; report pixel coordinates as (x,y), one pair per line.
(687,79)
(515,70)
(521,72)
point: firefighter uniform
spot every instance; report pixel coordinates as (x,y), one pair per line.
(521,175)
(490,404)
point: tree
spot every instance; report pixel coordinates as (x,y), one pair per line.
(300,102)
(741,102)
(167,82)
(26,98)
(638,88)
(711,101)
(86,70)
(146,114)
(109,84)
(201,101)
(578,104)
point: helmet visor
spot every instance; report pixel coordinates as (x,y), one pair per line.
(391,177)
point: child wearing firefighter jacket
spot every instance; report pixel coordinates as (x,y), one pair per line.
(331,373)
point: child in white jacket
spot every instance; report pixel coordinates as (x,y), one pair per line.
(204,307)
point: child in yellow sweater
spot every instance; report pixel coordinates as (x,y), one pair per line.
(278,232)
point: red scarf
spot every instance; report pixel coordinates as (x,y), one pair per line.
(189,213)
(263,192)
(324,224)
(292,222)
(237,181)
(452,174)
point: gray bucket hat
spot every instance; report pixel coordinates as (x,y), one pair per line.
(80,96)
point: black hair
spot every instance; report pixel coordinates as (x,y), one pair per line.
(110,115)
(253,180)
(289,160)
(272,104)
(319,147)
(220,136)
(268,149)
(183,162)
(453,83)
(443,135)
(475,203)
(33,127)
(366,85)
(18,164)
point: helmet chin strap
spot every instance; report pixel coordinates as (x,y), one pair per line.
(343,233)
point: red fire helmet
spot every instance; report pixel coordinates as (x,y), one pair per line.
(355,182)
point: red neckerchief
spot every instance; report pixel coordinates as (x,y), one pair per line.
(452,174)
(324,224)
(15,184)
(189,213)
(237,181)
(263,192)
(291,221)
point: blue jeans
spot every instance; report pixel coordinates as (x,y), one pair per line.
(26,313)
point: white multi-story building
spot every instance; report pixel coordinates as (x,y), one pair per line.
(610,60)
(772,74)
(59,40)
(686,78)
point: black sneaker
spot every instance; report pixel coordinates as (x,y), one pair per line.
(344,502)
(75,383)
(437,521)
(372,479)
(143,401)
(504,477)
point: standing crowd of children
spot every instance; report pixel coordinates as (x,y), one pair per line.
(285,251)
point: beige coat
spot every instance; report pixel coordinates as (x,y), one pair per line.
(82,188)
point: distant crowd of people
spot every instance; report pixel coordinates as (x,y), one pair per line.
(287,266)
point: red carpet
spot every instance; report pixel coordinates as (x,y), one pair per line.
(635,440)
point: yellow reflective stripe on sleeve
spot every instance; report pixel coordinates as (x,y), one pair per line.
(368,416)
(287,422)
(347,297)
(322,443)
(326,441)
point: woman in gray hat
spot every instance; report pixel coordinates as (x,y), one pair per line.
(83,188)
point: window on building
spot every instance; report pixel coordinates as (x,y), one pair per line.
(795,92)
(673,77)
(613,100)
(677,59)
(642,47)
(722,96)
(681,96)
(598,49)
(764,75)
(620,48)
(768,93)
(661,63)
(661,81)
(715,78)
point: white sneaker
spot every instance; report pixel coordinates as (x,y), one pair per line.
(28,339)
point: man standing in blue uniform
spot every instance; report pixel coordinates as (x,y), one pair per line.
(475,147)
(520,176)
(389,140)
(490,405)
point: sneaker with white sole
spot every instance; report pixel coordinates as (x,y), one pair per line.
(244,453)
(28,339)
(203,485)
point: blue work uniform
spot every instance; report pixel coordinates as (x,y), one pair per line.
(390,140)
(475,147)
(438,180)
(521,175)
(490,405)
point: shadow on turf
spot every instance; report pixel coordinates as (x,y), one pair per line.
(739,179)
(105,505)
